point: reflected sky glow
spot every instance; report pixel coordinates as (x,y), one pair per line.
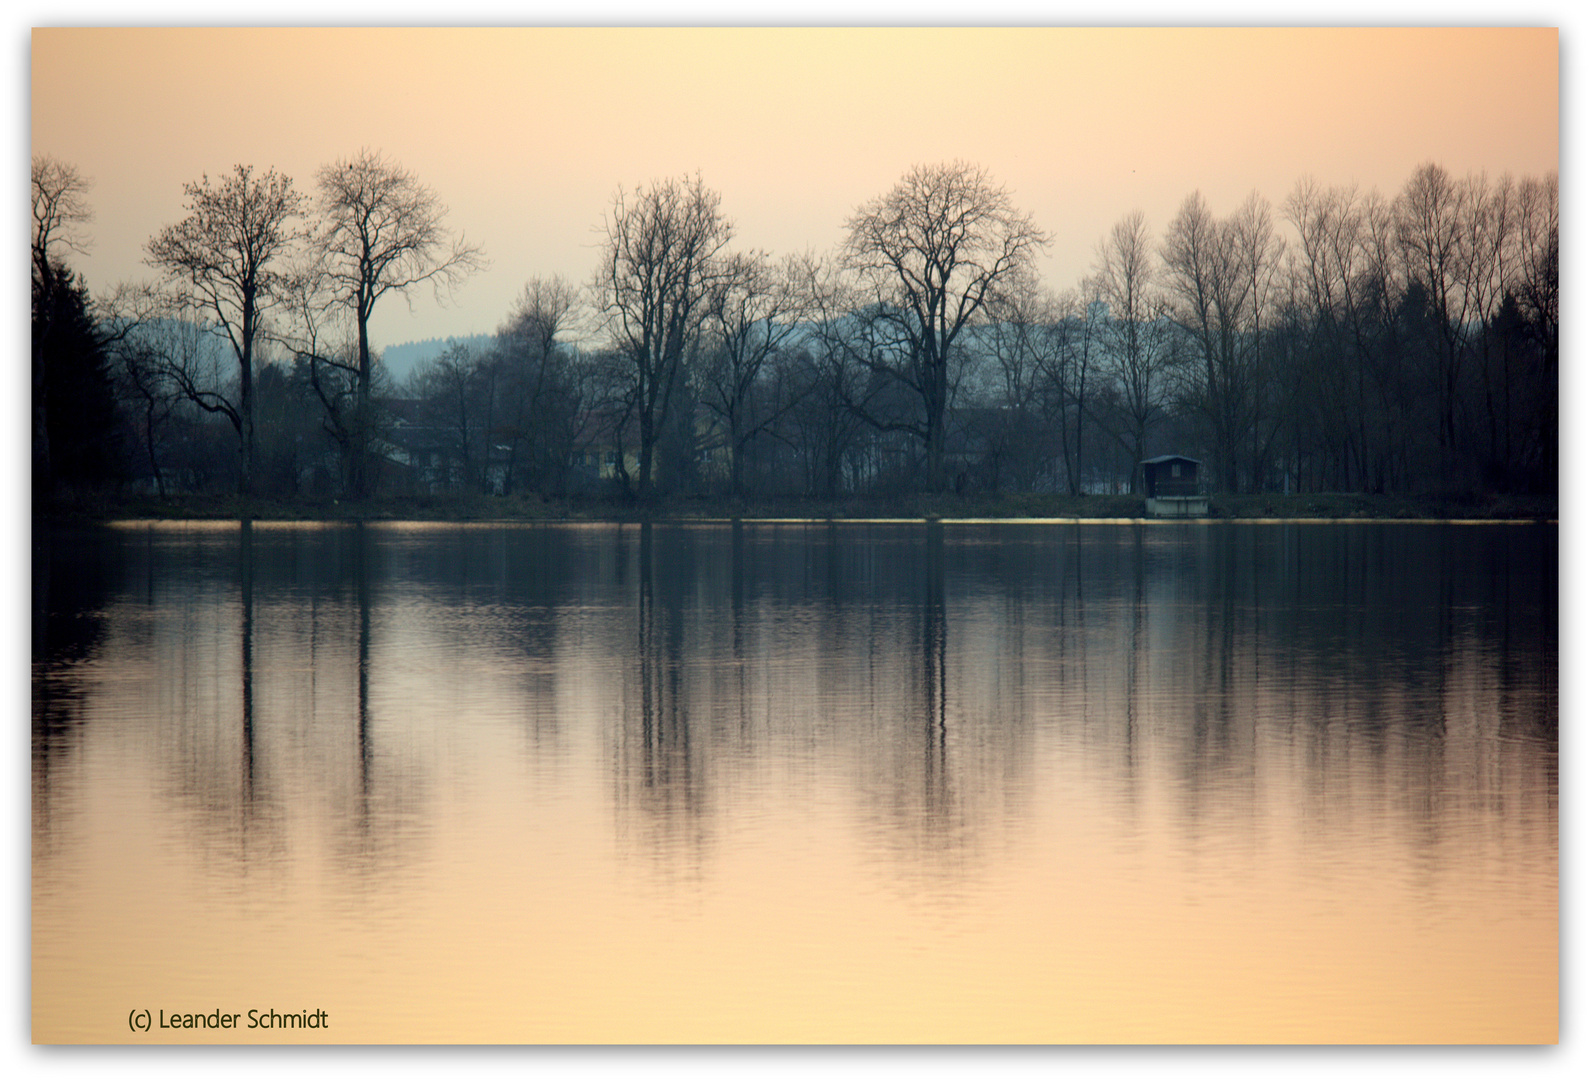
(787,782)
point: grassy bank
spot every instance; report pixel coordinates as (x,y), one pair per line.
(101,507)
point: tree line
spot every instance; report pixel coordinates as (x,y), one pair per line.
(1343,341)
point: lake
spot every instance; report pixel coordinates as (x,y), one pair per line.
(795,782)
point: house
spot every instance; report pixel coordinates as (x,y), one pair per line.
(1170,487)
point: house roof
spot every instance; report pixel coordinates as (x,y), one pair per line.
(1169,457)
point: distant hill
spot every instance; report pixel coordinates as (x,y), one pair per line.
(401,360)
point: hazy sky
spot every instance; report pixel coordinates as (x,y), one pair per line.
(526,134)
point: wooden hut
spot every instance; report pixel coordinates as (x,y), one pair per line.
(1170,487)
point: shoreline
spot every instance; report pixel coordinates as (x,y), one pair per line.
(950,509)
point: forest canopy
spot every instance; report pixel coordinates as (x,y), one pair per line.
(1339,340)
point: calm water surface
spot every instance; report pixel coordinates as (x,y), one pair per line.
(773,782)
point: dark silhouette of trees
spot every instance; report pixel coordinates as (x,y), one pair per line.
(1437,254)
(458,390)
(827,426)
(1347,401)
(142,354)
(1024,427)
(1220,274)
(1535,294)
(1402,344)
(222,262)
(79,415)
(1536,287)
(755,315)
(287,426)
(1083,318)
(1521,404)
(660,267)
(381,232)
(934,254)
(60,210)
(324,362)
(1140,356)
(1518,349)
(532,372)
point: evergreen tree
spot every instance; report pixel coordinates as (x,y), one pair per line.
(79,398)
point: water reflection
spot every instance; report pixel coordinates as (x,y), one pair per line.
(660,792)
(908,733)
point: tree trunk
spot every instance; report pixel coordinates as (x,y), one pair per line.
(361,421)
(643,482)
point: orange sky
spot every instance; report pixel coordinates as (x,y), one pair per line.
(525,134)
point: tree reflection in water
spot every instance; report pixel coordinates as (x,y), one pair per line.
(933,721)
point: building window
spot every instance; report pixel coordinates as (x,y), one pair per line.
(1175,469)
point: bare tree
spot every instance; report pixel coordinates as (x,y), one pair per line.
(324,355)
(755,314)
(60,209)
(1068,354)
(1537,260)
(659,268)
(1437,250)
(134,316)
(221,260)
(1260,252)
(1220,274)
(1348,411)
(1536,293)
(830,377)
(456,390)
(1031,416)
(1328,412)
(527,352)
(382,232)
(1139,354)
(167,361)
(934,253)
(1493,227)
